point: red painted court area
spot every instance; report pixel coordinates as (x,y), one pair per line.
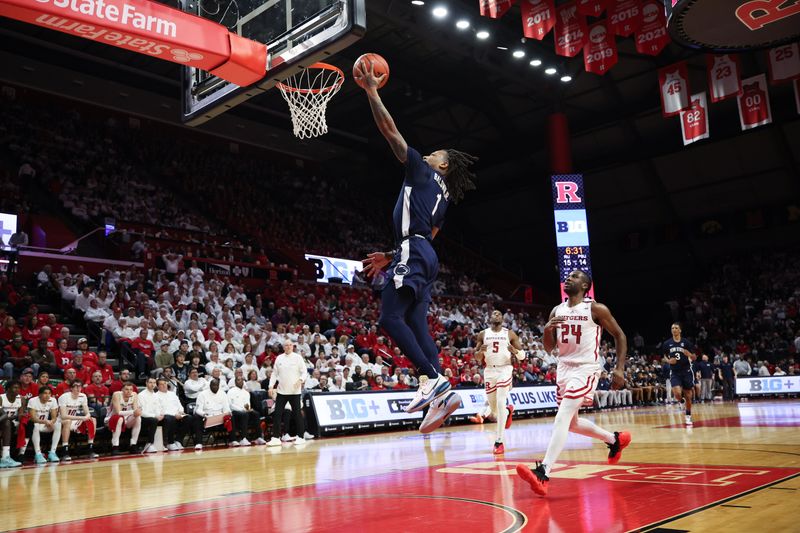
(480,497)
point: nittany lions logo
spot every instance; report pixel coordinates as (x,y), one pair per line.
(401,269)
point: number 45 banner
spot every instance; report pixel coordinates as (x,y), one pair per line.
(673,82)
(694,120)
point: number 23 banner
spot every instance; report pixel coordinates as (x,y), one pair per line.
(724,76)
(673,82)
(694,120)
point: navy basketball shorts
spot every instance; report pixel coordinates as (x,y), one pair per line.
(684,380)
(415,266)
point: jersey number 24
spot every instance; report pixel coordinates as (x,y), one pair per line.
(570,329)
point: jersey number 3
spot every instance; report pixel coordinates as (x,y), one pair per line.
(570,329)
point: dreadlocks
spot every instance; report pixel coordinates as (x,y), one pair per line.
(459,178)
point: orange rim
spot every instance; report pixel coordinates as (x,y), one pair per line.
(320,66)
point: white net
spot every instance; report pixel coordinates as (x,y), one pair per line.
(307,94)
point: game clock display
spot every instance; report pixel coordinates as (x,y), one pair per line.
(572,230)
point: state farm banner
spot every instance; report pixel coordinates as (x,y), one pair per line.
(570,35)
(624,16)
(652,36)
(149,28)
(694,120)
(592,8)
(600,52)
(784,63)
(673,83)
(754,110)
(495,8)
(538,17)
(724,76)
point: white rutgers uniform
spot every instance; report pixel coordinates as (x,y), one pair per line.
(579,362)
(499,370)
(75,407)
(125,411)
(11,407)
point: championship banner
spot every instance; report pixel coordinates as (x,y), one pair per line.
(694,120)
(343,411)
(572,230)
(495,8)
(652,36)
(600,52)
(570,35)
(768,385)
(538,17)
(724,76)
(673,82)
(592,8)
(784,63)
(149,28)
(624,17)
(754,109)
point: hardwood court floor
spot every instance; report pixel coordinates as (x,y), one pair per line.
(738,469)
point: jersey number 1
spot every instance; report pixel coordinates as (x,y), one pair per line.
(438,199)
(573,329)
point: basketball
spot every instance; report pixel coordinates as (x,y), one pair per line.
(379,65)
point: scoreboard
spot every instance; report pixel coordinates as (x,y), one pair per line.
(572,230)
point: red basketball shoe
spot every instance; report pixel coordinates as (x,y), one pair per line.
(536,478)
(622,439)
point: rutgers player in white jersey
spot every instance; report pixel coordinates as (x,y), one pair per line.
(124,414)
(75,416)
(43,414)
(496,346)
(576,326)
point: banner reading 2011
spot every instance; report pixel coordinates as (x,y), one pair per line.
(572,230)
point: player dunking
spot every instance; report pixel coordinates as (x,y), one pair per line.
(680,354)
(431,183)
(496,346)
(575,326)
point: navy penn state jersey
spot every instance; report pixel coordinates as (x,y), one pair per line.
(422,202)
(672,348)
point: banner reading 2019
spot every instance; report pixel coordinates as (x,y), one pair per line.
(572,231)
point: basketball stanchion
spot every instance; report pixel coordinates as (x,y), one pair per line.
(308,93)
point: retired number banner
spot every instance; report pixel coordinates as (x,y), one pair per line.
(694,120)
(754,107)
(571,30)
(600,52)
(784,63)
(624,16)
(724,76)
(652,35)
(592,8)
(538,17)
(495,8)
(673,82)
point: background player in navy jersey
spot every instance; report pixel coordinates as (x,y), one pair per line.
(680,354)
(430,184)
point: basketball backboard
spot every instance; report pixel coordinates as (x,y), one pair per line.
(297,33)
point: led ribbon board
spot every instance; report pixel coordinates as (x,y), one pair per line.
(572,230)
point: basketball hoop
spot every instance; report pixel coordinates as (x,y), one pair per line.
(307,94)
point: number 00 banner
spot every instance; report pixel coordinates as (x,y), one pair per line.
(754,109)
(694,120)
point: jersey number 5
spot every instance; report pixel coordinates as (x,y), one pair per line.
(570,329)
(495,346)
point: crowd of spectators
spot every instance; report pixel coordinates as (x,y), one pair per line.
(101,167)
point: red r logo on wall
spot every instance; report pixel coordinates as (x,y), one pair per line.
(758,13)
(568,192)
